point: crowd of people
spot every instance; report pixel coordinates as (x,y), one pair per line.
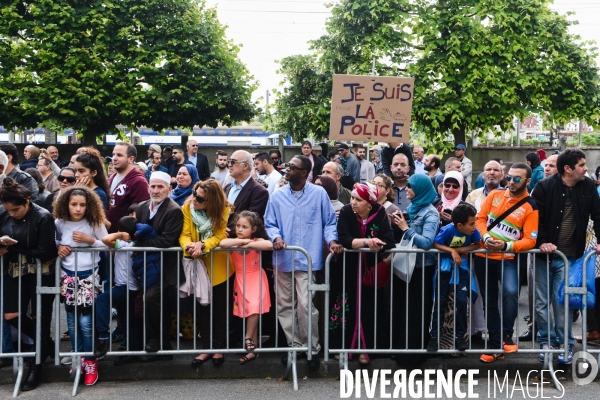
(257,205)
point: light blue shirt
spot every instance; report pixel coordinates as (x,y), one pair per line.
(306,221)
(193,160)
(236,189)
(420,167)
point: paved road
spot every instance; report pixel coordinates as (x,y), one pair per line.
(250,389)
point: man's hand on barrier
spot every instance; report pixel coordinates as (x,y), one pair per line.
(494,245)
(549,248)
(335,247)
(279,244)
(63,251)
(597,248)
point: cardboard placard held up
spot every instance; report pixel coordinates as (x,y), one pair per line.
(371,108)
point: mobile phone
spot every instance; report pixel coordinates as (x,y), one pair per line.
(405,216)
(448,211)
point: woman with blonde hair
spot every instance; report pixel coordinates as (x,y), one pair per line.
(204,226)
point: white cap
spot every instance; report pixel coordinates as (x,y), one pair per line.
(163,176)
(143,166)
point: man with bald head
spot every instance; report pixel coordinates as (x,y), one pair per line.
(53,152)
(400,169)
(492,176)
(550,168)
(336,171)
(244,193)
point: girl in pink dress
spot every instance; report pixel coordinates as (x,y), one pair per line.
(250,288)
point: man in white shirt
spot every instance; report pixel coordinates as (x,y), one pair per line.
(419,154)
(467,166)
(266,172)
(367,169)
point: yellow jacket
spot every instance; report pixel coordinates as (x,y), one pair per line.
(190,234)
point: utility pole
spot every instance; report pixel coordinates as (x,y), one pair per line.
(580,130)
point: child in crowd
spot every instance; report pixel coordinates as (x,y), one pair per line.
(79,222)
(125,290)
(250,288)
(455,238)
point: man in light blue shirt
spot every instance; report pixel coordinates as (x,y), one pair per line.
(299,214)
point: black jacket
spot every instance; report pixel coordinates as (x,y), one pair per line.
(201,166)
(23,178)
(549,196)
(35,233)
(318,163)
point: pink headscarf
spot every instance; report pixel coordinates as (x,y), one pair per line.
(450,204)
(367,192)
(541,153)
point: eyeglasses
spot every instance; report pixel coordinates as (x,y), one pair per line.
(293,167)
(233,161)
(379,185)
(199,198)
(451,185)
(70,179)
(275,158)
(341,150)
(517,179)
(193,145)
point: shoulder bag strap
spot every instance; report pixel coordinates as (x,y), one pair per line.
(507,213)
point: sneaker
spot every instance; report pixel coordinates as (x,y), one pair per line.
(66,361)
(82,366)
(561,356)
(509,345)
(543,347)
(461,344)
(488,358)
(91,372)
(433,344)
(117,336)
(102,348)
(114,313)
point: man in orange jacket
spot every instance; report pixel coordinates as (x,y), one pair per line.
(516,232)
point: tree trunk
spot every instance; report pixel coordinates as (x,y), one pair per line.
(459,136)
(89,138)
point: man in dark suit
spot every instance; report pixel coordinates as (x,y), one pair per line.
(244,193)
(199,160)
(165,216)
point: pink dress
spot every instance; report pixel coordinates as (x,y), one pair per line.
(249,293)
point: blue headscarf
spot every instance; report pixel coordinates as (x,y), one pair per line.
(425,193)
(179,194)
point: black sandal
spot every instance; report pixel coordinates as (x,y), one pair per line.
(245,359)
(250,345)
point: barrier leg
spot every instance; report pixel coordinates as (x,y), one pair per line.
(76,366)
(292,367)
(18,370)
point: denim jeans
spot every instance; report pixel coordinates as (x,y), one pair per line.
(7,344)
(461,296)
(547,284)
(488,285)
(80,321)
(119,301)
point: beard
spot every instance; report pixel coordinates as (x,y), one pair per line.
(428,168)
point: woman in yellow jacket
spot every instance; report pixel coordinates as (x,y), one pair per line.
(204,226)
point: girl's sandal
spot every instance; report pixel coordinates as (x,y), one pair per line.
(245,359)
(250,345)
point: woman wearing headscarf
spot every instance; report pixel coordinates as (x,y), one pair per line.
(596,176)
(452,194)
(542,154)
(412,302)
(362,224)
(537,171)
(186,179)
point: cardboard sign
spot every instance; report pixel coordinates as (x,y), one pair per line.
(371,108)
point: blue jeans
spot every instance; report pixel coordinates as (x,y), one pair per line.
(461,295)
(547,284)
(7,344)
(509,276)
(119,301)
(82,321)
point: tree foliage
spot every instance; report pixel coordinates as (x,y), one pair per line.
(476,63)
(91,65)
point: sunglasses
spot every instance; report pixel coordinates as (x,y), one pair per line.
(275,158)
(199,198)
(292,167)
(517,179)
(193,145)
(452,185)
(341,150)
(233,161)
(70,179)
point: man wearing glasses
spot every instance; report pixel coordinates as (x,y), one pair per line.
(244,193)
(180,159)
(299,214)
(502,236)
(199,160)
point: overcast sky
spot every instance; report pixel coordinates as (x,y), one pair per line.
(269,30)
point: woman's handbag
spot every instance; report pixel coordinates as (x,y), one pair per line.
(379,273)
(29,267)
(404,263)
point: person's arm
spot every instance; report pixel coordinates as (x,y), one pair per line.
(258,244)
(467,169)
(213,241)
(110,240)
(482,217)
(229,243)
(46,246)
(527,241)
(453,252)
(430,227)
(185,238)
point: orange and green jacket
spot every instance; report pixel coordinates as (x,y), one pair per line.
(519,229)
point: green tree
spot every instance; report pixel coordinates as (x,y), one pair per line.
(94,64)
(476,63)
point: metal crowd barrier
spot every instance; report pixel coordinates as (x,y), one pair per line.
(19,355)
(583,291)
(386,294)
(180,348)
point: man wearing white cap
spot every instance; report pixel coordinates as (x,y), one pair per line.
(151,150)
(165,216)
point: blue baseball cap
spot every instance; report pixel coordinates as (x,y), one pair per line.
(460,147)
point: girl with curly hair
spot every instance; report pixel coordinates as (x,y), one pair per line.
(79,223)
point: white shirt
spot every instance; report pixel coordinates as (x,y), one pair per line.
(124,266)
(367,171)
(64,236)
(154,209)
(272,180)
